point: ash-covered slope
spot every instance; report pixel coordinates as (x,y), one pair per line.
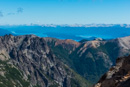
(36,65)
(117,76)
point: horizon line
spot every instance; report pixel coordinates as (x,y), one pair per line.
(72,24)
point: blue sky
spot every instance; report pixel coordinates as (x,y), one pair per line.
(64,11)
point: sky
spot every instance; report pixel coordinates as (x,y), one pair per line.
(64,12)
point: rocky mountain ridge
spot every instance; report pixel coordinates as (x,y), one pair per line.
(43,62)
(36,64)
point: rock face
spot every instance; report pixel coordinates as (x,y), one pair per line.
(117,76)
(99,54)
(43,62)
(37,65)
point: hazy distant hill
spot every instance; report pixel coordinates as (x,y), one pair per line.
(4,32)
(72,32)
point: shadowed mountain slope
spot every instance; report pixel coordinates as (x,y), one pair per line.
(91,59)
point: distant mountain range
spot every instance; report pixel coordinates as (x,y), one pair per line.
(4,32)
(77,32)
(75,25)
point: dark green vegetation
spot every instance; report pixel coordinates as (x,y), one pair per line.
(11,76)
(78,80)
(94,61)
(92,65)
(61,53)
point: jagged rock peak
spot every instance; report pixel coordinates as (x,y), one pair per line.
(117,76)
(38,65)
